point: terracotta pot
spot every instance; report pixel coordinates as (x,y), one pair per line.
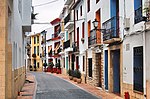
(79,80)
(74,79)
(70,77)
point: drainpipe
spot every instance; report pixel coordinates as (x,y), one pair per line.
(144,60)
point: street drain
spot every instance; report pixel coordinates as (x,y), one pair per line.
(27,95)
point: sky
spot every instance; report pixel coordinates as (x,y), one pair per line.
(46,13)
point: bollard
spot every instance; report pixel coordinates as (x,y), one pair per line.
(127,96)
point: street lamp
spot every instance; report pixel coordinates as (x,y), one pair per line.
(95,24)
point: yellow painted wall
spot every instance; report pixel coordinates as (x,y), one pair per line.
(38,59)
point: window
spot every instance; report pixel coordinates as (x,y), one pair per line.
(138,11)
(37,39)
(97,1)
(90,66)
(88,5)
(38,50)
(34,40)
(81,10)
(38,65)
(138,68)
(34,49)
(83,63)
(89,28)
(77,14)
(83,30)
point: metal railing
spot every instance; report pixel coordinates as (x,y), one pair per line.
(67,19)
(94,38)
(66,44)
(112,28)
(138,15)
(75,47)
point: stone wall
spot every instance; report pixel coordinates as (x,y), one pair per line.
(133,94)
(97,70)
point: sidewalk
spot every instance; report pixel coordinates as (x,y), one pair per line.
(89,88)
(28,89)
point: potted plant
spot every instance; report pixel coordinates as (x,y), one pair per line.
(78,75)
(70,72)
(74,75)
(50,65)
(58,68)
(44,64)
(34,55)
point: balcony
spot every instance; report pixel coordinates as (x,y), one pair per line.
(111,35)
(50,53)
(34,55)
(56,36)
(68,22)
(43,41)
(138,16)
(75,48)
(94,39)
(67,46)
(68,2)
(28,52)
(56,52)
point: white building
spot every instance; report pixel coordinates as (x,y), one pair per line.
(16,20)
(135,49)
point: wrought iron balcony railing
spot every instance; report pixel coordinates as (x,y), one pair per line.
(67,19)
(138,15)
(112,28)
(66,44)
(34,55)
(75,47)
(55,35)
(94,38)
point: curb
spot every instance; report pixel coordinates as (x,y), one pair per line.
(34,95)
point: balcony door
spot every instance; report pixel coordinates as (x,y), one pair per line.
(98,34)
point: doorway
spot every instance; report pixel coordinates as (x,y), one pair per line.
(116,71)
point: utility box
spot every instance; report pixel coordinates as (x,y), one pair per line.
(127,24)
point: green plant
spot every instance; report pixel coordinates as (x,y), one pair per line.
(57,65)
(50,64)
(78,74)
(70,72)
(44,64)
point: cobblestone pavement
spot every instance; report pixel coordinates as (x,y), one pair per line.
(53,87)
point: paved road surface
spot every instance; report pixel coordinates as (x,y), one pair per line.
(52,87)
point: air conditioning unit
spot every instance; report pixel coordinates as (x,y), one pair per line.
(127,24)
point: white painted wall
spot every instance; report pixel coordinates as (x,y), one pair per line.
(17,40)
(147,54)
(134,38)
(26,15)
(128,57)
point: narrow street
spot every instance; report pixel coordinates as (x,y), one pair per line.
(52,87)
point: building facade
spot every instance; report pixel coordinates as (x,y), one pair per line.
(135,71)
(15,20)
(36,61)
(113,55)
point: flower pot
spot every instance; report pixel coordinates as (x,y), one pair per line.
(79,80)
(74,79)
(70,77)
